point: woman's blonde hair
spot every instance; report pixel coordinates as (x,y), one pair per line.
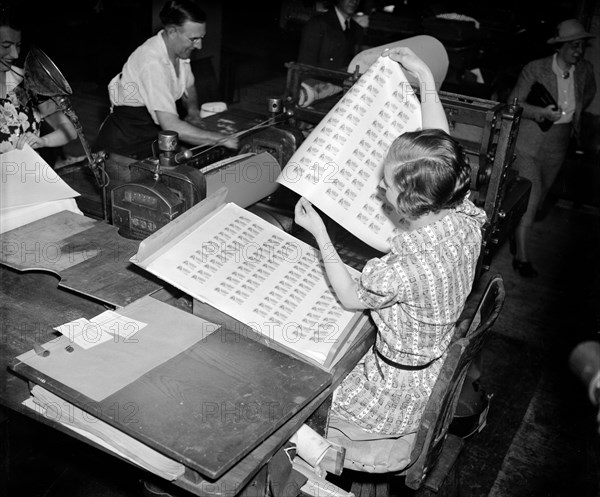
(430,170)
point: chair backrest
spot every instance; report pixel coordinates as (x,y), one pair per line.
(487,311)
(440,409)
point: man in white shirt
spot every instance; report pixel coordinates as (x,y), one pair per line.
(156,75)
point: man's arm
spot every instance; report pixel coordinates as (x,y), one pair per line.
(190,101)
(192,134)
(528,76)
(154,91)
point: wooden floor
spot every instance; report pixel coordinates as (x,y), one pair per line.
(541,436)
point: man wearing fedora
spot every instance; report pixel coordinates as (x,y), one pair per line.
(541,150)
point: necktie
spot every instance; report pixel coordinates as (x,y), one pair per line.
(347,29)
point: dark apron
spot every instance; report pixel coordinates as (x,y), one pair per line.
(128,131)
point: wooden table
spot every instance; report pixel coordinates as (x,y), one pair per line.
(32,304)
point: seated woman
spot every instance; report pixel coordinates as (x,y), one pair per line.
(418,290)
(22,113)
(156,75)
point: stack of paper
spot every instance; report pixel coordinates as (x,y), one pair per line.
(53,407)
(30,189)
(256,273)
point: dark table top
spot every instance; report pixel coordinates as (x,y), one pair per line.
(32,303)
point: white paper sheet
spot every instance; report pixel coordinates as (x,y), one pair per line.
(429,49)
(102,328)
(59,410)
(15,217)
(136,355)
(261,276)
(339,165)
(27,179)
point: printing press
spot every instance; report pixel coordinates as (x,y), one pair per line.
(486,129)
(147,194)
(144,195)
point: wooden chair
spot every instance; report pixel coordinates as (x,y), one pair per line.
(431,470)
(473,404)
(436,450)
(486,312)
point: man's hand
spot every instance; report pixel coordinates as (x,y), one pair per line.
(195,120)
(232,142)
(551,113)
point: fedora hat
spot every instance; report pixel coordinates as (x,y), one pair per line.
(569,30)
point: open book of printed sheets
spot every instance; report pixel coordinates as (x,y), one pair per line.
(254,272)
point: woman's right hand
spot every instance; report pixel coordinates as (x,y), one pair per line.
(308,218)
(30,139)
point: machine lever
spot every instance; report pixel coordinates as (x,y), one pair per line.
(183,156)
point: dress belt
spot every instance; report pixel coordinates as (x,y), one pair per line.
(397,365)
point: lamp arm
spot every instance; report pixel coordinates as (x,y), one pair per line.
(95,161)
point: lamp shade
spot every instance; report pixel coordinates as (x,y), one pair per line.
(43,77)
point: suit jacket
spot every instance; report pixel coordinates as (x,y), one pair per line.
(540,70)
(325,44)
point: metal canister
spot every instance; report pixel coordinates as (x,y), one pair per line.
(274,105)
(167,140)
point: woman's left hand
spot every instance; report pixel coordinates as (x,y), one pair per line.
(30,139)
(408,60)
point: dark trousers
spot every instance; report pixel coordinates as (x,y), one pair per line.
(128,131)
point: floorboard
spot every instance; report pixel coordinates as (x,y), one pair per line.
(541,437)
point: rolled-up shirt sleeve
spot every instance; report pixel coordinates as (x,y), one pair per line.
(156,90)
(149,79)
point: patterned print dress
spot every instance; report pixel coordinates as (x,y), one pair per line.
(18,112)
(416,293)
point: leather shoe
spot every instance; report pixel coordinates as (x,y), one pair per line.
(524,268)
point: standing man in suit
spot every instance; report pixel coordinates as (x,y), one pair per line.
(333,38)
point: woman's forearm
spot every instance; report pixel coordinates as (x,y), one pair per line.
(338,274)
(432,112)
(56,138)
(63,133)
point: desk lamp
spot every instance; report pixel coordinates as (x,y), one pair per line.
(42,77)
